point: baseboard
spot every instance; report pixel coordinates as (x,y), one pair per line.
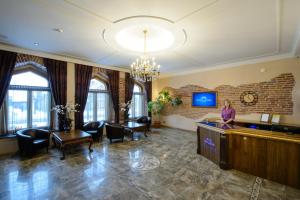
(178,128)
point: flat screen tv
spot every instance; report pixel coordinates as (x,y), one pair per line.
(205,99)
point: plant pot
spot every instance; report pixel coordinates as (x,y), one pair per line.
(61,122)
(67,125)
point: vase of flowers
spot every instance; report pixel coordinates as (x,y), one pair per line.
(64,113)
(125,108)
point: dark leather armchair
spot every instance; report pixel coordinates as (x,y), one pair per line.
(114,131)
(145,120)
(95,129)
(30,140)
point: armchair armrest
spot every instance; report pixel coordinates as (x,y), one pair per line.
(84,127)
(22,136)
(101,125)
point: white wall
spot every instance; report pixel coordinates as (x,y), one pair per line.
(233,76)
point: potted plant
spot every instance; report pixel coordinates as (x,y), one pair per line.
(156,107)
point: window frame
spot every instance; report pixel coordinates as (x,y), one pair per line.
(29,90)
(95,93)
(142,94)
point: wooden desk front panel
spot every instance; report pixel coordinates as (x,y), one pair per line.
(210,144)
(271,159)
(248,154)
(283,162)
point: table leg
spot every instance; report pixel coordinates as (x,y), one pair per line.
(90,146)
(62,148)
(145,133)
(54,142)
(132,134)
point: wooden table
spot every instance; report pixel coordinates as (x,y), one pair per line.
(74,137)
(134,126)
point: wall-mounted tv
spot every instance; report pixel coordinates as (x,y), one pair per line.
(205,99)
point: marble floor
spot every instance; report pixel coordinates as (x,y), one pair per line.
(163,166)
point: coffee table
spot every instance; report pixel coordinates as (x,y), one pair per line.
(74,137)
(134,126)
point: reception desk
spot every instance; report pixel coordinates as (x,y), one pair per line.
(261,152)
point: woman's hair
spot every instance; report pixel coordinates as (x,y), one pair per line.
(229,102)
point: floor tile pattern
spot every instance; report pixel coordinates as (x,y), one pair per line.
(162,166)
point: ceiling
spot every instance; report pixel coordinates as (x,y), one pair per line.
(217,31)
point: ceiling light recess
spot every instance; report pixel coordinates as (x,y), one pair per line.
(128,35)
(58,30)
(131,38)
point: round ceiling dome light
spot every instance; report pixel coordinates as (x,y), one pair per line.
(132,38)
(127,34)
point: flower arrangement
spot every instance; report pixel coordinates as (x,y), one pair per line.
(125,108)
(64,112)
(67,109)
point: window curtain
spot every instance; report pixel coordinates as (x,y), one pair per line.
(3,119)
(57,76)
(148,88)
(83,76)
(129,84)
(113,81)
(7,65)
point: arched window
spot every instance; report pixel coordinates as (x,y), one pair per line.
(28,101)
(97,105)
(138,102)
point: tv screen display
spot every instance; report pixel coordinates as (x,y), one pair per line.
(204,99)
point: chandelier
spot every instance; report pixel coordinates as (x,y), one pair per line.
(145,68)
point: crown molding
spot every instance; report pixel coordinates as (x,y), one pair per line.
(65,58)
(231,65)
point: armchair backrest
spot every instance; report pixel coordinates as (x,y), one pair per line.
(114,131)
(93,125)
(33,133)
(143,119)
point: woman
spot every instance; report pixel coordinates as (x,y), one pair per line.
(228,113)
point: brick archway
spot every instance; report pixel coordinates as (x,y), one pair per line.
(24,59)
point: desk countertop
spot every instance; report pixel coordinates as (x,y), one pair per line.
(233,129)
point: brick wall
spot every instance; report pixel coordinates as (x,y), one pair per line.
(122,93)
(274,96)
(25,59)
(100,72)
